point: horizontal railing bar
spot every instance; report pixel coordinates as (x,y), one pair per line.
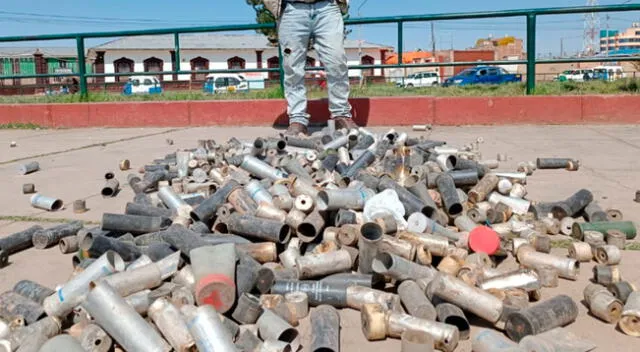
(351,21)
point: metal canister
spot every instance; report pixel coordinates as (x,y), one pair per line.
(630,320)
(557,311)
(606,275)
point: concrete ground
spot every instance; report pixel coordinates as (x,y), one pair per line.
(73,163)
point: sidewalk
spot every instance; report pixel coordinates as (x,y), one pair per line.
(73,164)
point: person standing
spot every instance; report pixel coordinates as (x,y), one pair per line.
(298,22)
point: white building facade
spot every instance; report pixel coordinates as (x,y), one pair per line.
(148,54)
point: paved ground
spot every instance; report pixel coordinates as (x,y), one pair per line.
(73,163)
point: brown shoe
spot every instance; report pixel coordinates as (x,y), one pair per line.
(296,129)
(344,122)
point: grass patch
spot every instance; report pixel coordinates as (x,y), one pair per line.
(45,220)
(624,86)
(20,126)
(561,244)
(634,246)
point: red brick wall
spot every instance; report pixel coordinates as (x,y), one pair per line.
(469,55)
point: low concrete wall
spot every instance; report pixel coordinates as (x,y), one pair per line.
(379,111)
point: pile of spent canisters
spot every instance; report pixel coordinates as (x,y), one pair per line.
(226,247)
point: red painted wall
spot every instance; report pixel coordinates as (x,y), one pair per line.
(380,111)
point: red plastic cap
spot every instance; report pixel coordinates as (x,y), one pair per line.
(483,239)
(217,290)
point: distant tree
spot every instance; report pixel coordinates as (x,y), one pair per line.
(636,65)
(264,16)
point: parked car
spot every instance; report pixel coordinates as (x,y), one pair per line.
(608,73)
(142,85)
(580,75)
(225,82)
(482,75)
(421,79)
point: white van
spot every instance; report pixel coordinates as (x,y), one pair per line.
(421,79)
(608,73)
(225,82)
(142,85)
(579,75)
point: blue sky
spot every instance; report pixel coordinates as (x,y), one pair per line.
(20,17)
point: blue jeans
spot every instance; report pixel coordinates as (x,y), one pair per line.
(323,21)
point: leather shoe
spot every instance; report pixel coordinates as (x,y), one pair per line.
(296,129)
(345,122)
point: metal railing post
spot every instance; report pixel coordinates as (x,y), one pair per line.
(176,48)
(82,68)
(400,48)
(281,68)
(531,53)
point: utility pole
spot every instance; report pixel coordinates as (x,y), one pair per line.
(433,40)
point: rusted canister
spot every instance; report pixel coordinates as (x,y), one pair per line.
(568,268)
(94,339)
(609,255)
(616,238)
(470,273)
(552,225)
(32,290)
(370,235)
(248,309)
(555,312)
(325,329)
(516,297)
(590,290)
(214,270)
(416,341)
(595,246)
(614,215)
(13,305)
(603,305)
(630,320)
(28,188)
(273,327)
(606,275)
(485,186)
(580,251)
(415,301)
(452,315)
(472,299)
(450,265)
(542,243)
(621,290)
(298,303)
(548,276)
(487,340)
(593,236)
(69,244)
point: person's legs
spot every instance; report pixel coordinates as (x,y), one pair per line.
(328,30)
(294,30)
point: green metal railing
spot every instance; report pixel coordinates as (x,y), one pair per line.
(531,16)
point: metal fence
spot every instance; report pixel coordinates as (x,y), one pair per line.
(531,16)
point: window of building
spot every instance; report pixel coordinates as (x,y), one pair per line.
(199,64)
(153,64)
(273,62)
(123,65)
(236,63)
(367,60)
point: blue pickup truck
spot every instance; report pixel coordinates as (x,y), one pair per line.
(482,75)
